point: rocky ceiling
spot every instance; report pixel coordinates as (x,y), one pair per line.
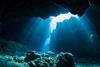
(39,8)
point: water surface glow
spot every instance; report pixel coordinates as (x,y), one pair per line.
(60,18)
(53,25)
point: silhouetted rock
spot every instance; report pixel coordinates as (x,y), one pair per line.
(31,55)
(35,59)
(32,64)
(18,59)
(65,59)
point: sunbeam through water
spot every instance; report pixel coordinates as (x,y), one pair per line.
(53,24)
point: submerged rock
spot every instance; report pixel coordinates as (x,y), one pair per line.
(18,59)
(35,59)
(50,59)
(32,64)
(65,59)
(31,55)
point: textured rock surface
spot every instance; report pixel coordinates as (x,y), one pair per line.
(34,59)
